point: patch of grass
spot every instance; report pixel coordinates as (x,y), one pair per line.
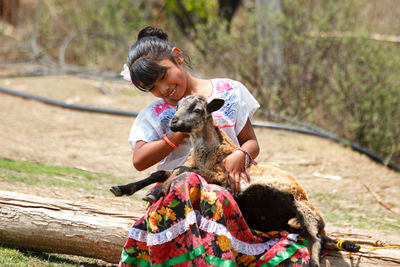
(359,214)
(55,176)
(22,258)
(39,168)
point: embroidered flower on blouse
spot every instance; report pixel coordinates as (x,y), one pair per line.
(160,108)
(222,86)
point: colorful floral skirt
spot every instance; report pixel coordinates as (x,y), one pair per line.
(200,224)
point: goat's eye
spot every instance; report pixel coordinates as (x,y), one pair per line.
(197,111)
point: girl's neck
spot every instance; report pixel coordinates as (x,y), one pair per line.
(197,86)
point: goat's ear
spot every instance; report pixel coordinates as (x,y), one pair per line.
(215,104)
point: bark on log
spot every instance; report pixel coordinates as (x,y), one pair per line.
(64,227)
(60,226)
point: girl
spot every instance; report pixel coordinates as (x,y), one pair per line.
(196,223)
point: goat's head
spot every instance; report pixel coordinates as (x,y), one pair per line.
(192,113)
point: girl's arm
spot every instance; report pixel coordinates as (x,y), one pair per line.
(234,163)
(146,154)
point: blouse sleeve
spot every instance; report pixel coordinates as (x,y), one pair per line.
(247,106)
(143,129)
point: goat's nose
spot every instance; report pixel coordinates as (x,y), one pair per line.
(173,121)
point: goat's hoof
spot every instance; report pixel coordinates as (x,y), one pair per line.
(150,198)
(313,263)
(350,246)
(116,191)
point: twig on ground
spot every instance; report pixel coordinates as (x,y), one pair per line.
(380,200)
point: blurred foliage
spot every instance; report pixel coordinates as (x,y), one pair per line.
(346,83)
(95,34)
(330,73)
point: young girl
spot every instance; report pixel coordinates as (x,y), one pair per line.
(197,223)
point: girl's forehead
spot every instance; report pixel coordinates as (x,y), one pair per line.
(167,63)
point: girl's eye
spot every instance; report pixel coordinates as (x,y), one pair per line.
(164,75)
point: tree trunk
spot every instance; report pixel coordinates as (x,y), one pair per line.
(60,226)
(269,43)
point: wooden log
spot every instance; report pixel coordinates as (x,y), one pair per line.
(59,226)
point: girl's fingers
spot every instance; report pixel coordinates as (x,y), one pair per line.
(237,182)
(244,177)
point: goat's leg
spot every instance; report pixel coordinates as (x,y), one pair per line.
(177,171)
(311,227)
(330,243)
(129,189)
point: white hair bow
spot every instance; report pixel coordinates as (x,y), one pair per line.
(125,73)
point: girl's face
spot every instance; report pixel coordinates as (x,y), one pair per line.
(172,84)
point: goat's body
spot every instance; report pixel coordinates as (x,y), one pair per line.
(269,201)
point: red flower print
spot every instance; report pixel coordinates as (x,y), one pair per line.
(130,243)
(181,191)
(302,253)
(277,248)
(208,239)
(232,225)
(141,245)
(177,251)
(160,253)
(193,179)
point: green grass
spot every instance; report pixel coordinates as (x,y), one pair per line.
(23,258)
(360,214)
(42,175)
(38,174)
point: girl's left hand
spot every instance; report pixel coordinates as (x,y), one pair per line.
(234,165)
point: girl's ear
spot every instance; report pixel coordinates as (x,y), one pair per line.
(179,55)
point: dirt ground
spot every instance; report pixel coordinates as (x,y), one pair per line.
(33,131)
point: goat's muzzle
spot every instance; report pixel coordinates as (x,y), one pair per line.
(178,126)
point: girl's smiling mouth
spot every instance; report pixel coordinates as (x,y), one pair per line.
(173,91)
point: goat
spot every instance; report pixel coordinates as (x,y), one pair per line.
(273,199)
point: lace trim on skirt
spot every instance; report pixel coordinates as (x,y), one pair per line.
(206,225)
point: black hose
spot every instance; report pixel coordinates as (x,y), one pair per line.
(263,124)
(370,154)
(70,106)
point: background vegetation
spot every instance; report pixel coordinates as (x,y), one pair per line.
(328,63)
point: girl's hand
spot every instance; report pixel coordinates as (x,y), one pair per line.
(234,165)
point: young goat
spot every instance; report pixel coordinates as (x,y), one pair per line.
(272,200)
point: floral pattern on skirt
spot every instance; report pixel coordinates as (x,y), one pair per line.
(200,224)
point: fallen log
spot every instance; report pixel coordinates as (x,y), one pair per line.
(61,226)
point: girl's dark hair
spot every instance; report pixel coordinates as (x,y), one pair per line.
(151,46)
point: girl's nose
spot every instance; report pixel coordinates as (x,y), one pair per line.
(163,87)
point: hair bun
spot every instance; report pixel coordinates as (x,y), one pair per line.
(151,31)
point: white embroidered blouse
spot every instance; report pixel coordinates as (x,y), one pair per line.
(152,121)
